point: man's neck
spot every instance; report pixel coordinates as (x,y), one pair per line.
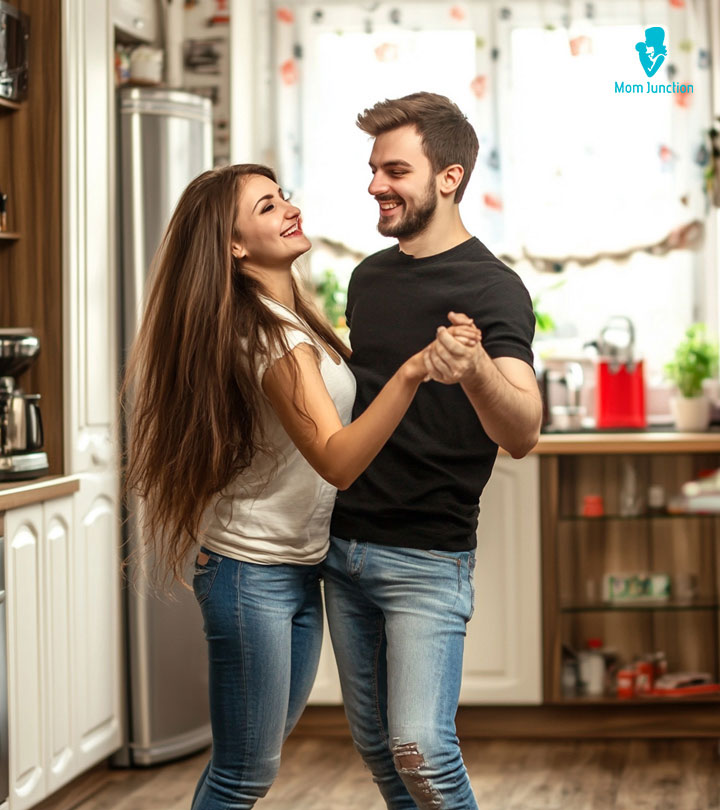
(443,233)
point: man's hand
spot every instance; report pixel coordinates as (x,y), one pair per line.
(449,360)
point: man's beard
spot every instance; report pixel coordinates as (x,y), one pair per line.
(413,222)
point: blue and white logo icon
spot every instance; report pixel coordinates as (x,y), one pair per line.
(653,51)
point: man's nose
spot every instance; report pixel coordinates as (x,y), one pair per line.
(378,185)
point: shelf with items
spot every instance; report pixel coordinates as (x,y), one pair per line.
(639,605)
(584,555)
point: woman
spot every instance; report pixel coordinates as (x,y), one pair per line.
(240,434)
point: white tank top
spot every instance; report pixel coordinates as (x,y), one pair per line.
(278,510)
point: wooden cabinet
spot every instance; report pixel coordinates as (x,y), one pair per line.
(31,176)
(578,551)
(63,639)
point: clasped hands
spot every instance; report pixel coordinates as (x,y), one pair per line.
(456,351)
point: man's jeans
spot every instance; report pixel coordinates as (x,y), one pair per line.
(263,624)
(397,620)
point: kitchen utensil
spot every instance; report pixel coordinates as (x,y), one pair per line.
(21,429)
(620,386)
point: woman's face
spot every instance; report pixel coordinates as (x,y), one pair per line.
(269,225)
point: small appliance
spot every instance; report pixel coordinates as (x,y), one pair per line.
(21,431)
(620,384)
(14,52)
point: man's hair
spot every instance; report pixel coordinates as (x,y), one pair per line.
(447,136)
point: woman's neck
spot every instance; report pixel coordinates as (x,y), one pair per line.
(277,284)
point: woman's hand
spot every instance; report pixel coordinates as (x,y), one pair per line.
(415,368)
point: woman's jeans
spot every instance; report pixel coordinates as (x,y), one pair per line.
(263,625)
(397,620)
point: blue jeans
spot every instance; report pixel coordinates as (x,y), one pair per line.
(397,620)
(263,625)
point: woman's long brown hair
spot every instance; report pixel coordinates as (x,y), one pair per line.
(191,392)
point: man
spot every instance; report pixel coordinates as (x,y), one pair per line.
(398,578)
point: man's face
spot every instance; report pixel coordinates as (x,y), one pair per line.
(403,183)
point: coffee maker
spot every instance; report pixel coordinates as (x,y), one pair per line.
(21,431)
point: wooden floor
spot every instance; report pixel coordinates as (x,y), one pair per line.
(327,774)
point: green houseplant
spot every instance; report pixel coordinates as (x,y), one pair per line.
(333,297)
(695,360)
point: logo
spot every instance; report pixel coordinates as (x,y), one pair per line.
(652,52)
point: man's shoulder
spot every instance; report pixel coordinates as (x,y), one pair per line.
(379,259)
(490,271)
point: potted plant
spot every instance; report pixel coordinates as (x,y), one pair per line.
(696,359)
(333,298)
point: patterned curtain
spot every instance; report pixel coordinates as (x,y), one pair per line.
(570,168)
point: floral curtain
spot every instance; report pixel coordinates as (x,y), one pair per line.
(571,168)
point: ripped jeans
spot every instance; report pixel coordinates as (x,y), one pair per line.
(397,619)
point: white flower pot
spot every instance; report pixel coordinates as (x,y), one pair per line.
(690,413)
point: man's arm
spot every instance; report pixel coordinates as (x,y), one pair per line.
(503,391)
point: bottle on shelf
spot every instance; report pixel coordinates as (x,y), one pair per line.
(630,500)
(656,500)
(591,664)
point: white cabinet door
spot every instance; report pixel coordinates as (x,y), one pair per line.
(26,664)
(90,319)
(63,634)
(58,577)
(96,651)
(326,689)
(503,649)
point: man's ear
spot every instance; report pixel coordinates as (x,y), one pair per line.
(238,251)
(450,178)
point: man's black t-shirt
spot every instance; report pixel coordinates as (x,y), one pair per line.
(423,488)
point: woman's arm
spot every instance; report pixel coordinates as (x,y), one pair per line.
(340,454)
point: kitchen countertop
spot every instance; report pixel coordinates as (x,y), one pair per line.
(24,493)
(14,494)
(651,440)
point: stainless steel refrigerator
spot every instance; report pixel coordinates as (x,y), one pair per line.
(165,140)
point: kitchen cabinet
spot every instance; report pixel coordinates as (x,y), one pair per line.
(503,648)
(578,550)
(24,541)
(326,689)
(96,560)
(63,639)
(136,18)
(90,321)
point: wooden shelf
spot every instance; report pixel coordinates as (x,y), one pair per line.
(576,553)
(616,607)
(644,516)
(9,236)
(10,105)
(607,700)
